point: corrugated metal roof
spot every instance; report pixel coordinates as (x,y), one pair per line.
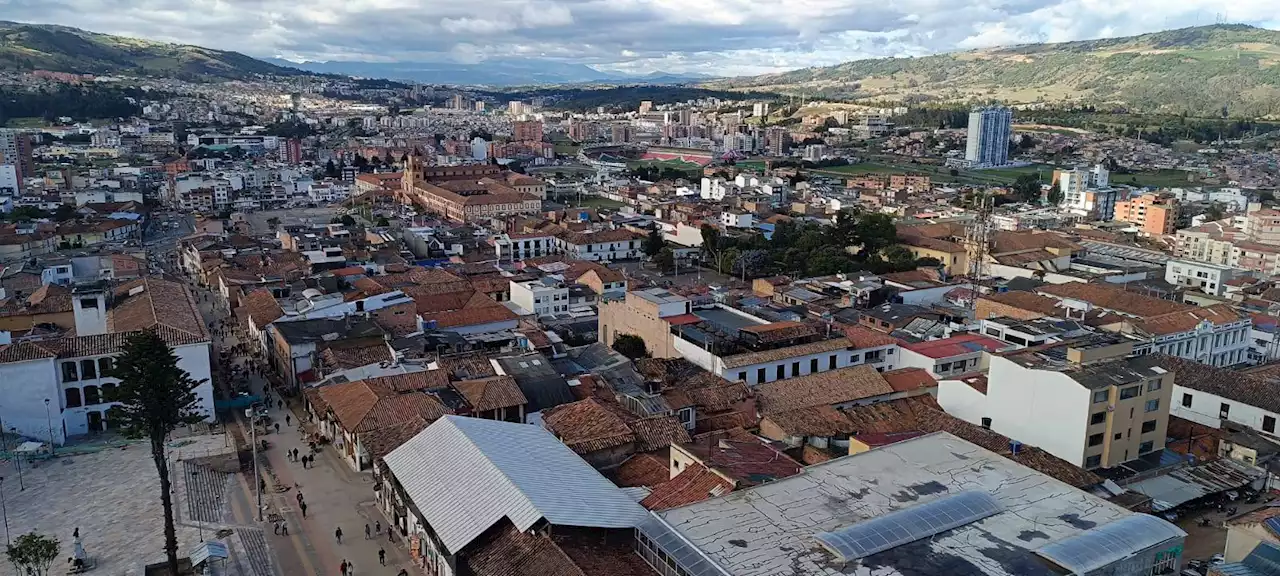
(465,474)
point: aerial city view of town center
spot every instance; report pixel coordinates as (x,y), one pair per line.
(643,288)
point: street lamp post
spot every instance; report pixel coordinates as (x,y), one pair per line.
(4,508)
(253,440)
(49,420)
(17,461)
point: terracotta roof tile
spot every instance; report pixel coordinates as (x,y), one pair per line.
(642,469)
(658,432)
(586,426)
(909,379)
(337,358)
(262,307)
(491,393)
(862,337)
(506,551)
(148,302)
(742,456)
(776,354)
(822,389)
(821,421)
(693,484)
(1114,298)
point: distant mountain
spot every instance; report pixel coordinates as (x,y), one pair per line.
(63,49)
(1196,70)
(508,72)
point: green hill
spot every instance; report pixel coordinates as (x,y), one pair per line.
(1195,70)
(63,49)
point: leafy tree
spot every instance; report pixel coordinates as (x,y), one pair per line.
(928,262)
(1055,196)
(750,263)
(874,231)
(711,244)
(666,260)
(156,397)
(273,222)
(331,169)
(1215,211)
(1027,187)
(383,222)
(898,258)
(654,243)
(631,346)
(360,162)
(65,212)
(33,554)
(26,214)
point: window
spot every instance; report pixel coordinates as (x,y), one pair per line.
(795,369)
(760,376)
(1153,385)
(108,392)
(1093,461)
(782,371)
(986,423)
(1148,426)
(69,373)
(1098,418)
(742,376)
(89,303)
(88,369)
(853,358)
(1153,405)
(1268,424)
(1224,410)
(1186,400)
(813,365)
(831,365)
(1095,440)
(1119,435)
(91,396)
(1145,447)
(73,397)
(1101,396)
(104,366)
(1130,392)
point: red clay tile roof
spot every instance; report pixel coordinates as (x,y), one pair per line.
(693,484)
(47,299)
(262,307)
(643,469)
(909,379)
(150,302)
(820,421)
(957,345)
(586,426)
(822,389)
(779,331)
(507,551)
(657,432)
(862,337)
(742,456)
(1114,298)
(337,358)
(491,393)
(776,354)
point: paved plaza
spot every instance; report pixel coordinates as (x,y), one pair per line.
(113,497)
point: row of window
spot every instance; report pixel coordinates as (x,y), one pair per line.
(1096,460)
(1128,392)
(92,395)
(1147,427)
(1224,411)
(781,369)
(85,369)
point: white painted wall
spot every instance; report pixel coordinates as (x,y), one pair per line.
(962,401)
(23,388)
(751,373)
(1038,407)
(1205,408)
(927,296)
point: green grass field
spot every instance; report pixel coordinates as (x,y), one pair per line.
(1157,179)
(595,202)
(31,122)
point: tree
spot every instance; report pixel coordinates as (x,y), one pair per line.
(33,554)
(666,260)
(383,222)
(899,258)
(272,222)
(1215,211)
(631,346)
(874,231)
(750,262)
(1027,187)
(330,169)
(65,212)
(711,244)
(1055,196)
(156,396)
(654,243)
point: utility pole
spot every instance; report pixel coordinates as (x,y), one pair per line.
(253,440)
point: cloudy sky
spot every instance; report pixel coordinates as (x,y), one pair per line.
(720,37)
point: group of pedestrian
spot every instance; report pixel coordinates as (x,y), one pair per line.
(302,504)
(282,527)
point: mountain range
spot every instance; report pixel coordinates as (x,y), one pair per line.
(1199,70)
(513,72)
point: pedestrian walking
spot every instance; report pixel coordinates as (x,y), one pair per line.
(343,566)
(382,556)
(338,534)
(284,527)
(280,404)
(299,497)
(288,420)
(367,532)
(377,527)
(303,505)
(295,454)
(276,530)
(277,427)
(402,572)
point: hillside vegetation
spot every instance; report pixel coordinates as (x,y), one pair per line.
(63,49)
(1199,70)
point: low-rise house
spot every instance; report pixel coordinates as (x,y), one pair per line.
(950,357)
(601,246)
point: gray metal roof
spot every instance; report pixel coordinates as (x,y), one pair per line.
(464,474)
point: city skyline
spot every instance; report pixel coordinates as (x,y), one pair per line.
(716,37)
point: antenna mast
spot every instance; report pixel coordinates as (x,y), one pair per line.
(977,241)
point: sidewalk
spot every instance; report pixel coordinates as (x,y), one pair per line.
(336,496)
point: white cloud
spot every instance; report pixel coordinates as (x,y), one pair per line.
(721,37)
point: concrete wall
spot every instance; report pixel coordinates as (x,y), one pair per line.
(1243,538)
(962,401)
(23,388)
(1041,408)
(1205,408)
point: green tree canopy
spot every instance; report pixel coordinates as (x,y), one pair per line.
(653,244)
(631,346)
(33,554)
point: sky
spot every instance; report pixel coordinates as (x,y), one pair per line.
(714,37)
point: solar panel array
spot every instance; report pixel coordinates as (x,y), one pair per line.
(1109,543)
(908,525)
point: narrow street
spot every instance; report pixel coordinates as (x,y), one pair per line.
(336,495)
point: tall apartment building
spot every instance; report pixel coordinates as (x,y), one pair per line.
(15,150)
(1153,214)
(527,131)
(760,109)
(1087,401)
(990,129)
(1263,227)
(777,138)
